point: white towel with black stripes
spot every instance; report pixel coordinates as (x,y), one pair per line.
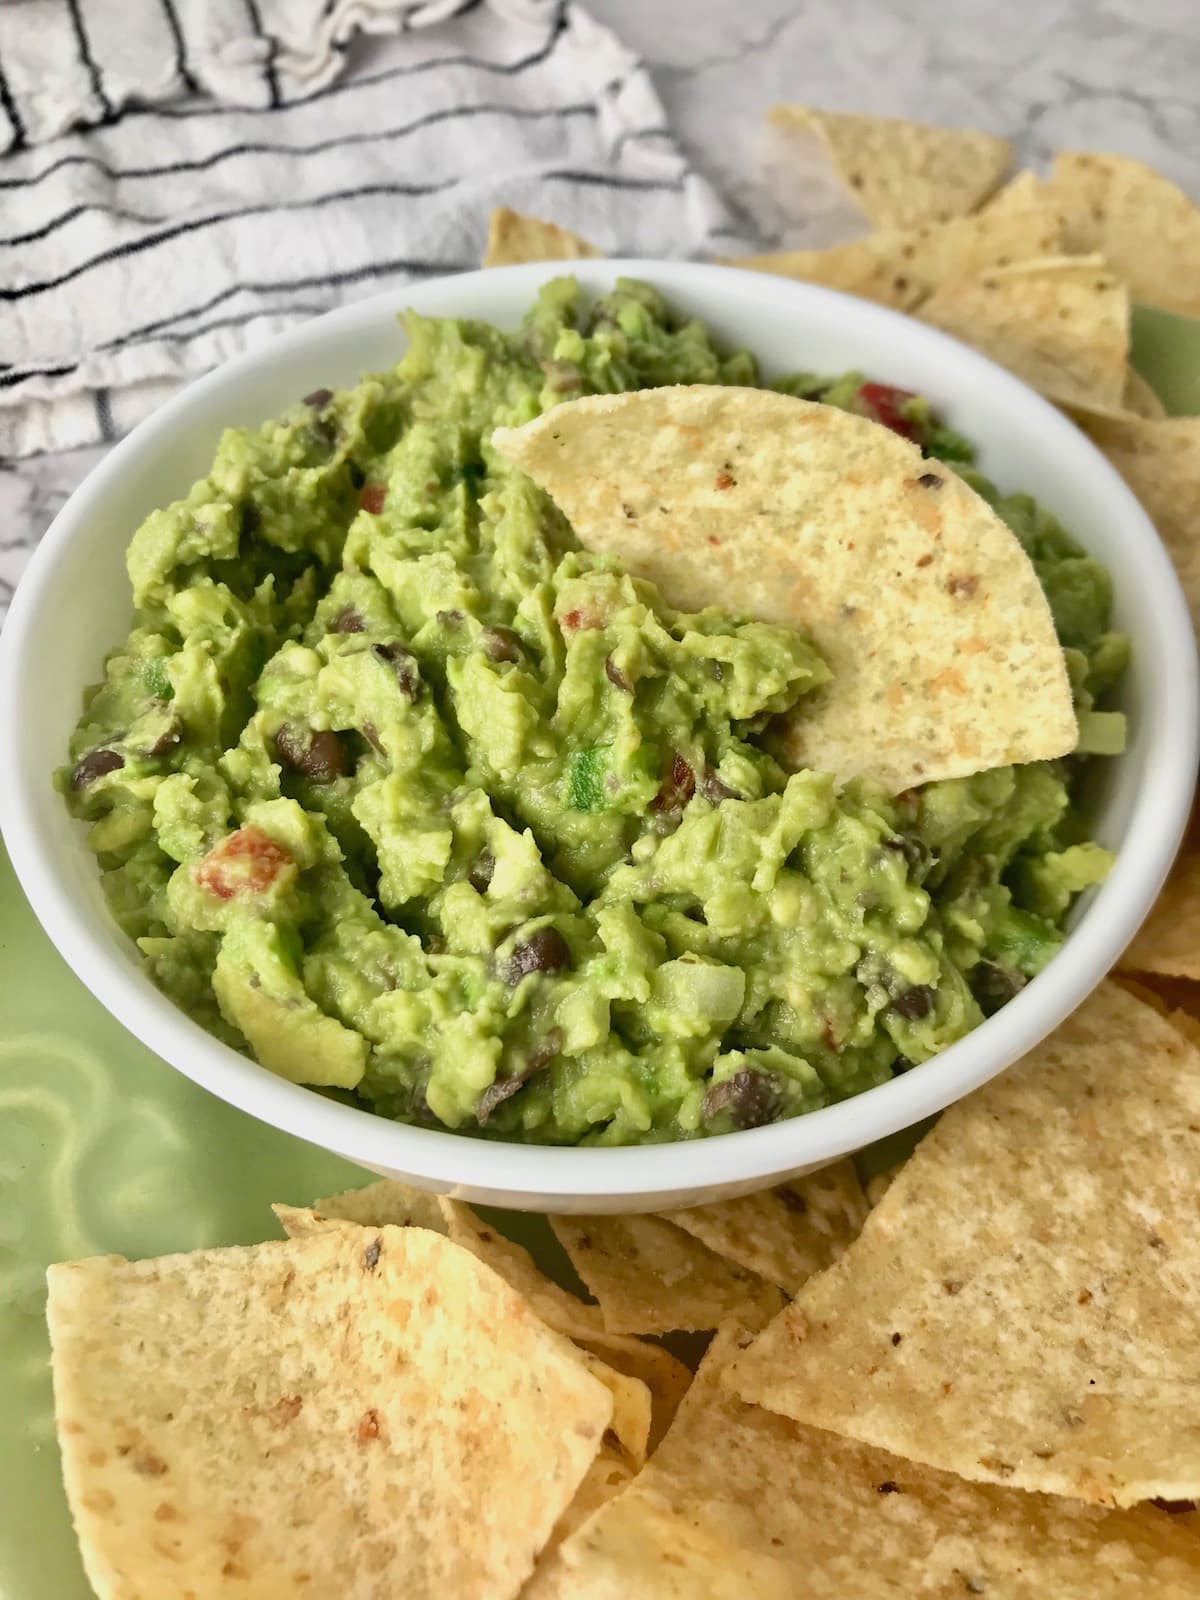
(184,178)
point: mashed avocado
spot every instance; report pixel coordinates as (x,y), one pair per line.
(406,795)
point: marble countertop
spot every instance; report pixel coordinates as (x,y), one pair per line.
(1099,74)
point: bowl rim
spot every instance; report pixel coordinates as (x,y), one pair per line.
(533,1175)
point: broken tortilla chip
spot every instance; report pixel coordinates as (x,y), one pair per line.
(793,512)
(1139,397)
(904,173)
(1146,226)
(899,267)
(313,1417)
(1168,942)
(513,237)
(651,1277)
(1060,323)
(1021,1306)
(1160,461)
(783,1234)
(373,1206)
(738,1502)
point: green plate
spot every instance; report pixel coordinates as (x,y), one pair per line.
(1166,351)
(104,1148)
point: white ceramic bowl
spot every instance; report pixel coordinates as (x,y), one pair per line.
(73,605)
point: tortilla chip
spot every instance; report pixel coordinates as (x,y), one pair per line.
(1146,226)
(1139,397)
(608,1474)
(1060,323)
(374,1206)
(634,1423)
(1160,461)
(740,1503)
(795,513)
(1168,942)
(314,1417)
(904,173)
(651,1277)
(513,237)
(785,1234)
(647,1365)
(1023,189)
(899,267)
(1022,1306)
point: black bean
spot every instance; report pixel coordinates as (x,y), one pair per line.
(318,754)
(994,985)
(715,789)
(481,870)
(616,677)
(348,621)
(501,644)
(170,736)
(404,664)
(502,1089)
(318,399)
(913,851)
(751,1099)
(96,764)
(914,1003)
(545,950)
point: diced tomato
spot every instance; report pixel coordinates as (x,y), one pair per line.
(577,620)
(246,862)
(372,498)
(885,404)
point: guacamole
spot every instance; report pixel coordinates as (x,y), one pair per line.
(402,793)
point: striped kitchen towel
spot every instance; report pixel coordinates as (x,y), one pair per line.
(185,178)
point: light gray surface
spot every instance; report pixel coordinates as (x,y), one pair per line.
(1053,74)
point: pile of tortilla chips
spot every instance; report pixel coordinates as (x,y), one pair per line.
(986,1384)
(1040,275)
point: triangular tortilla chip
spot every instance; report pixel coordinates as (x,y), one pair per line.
(1146,226)
(513,237)
(739,1504)
(784,1234)
(651,1277)
(899,267)
(1022,1305)
(634,1424)
(1060,323)
(322,1416)
(1023,189)
(903,173)
(1160,461)
(944,655)
(1169,940)
(374,1206)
